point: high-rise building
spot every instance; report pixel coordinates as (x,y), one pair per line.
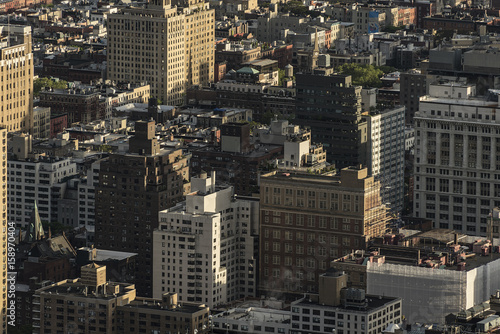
(169,45)
(457,145)
(3,272)
(413,86)
(33,177)
(16,73)
(331,106)
(309,220)
(132,189)
(205,249)
(386,149)
(91,304)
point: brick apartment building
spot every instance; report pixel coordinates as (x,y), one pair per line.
(309,220)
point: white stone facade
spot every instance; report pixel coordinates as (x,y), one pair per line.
(205,248)
(457,150)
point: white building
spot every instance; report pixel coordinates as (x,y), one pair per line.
(430,294)
(457,149)
(205,248)
(86,200)
(35,178)
(385,154)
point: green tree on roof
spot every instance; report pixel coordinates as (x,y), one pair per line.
(362,75)
(40,83)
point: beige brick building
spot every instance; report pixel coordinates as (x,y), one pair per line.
(91,305)
(309,220)
(16,78)
(168,45)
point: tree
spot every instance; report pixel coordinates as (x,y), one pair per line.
(386,69)
(392,29)
(362,75)
(294,7)
(281,76)
(40,83)
(55,227)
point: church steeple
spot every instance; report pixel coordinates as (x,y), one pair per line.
(35,229)
(316,46)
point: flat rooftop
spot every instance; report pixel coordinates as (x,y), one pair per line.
(286,176)
(373,303)
(74,288)
(156,304)
(445,236)
(473,102)
(255,314)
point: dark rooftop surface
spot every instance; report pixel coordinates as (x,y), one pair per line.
(374,302)
(149,303)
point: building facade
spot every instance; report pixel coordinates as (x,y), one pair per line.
(90,304)
(309,220)
(385,157)
(413,85)
(213,238)
(331,106)
(337,309)
(132,189)
(35,178)
(41,122)
(16,72)
(175,49)
(81,104)
(80,305)
(148,315)
(457,141)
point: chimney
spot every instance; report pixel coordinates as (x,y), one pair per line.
(455,238)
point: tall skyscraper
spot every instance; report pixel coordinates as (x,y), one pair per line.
(16,78)
(331,106)
(457,158)
(386,149)
(132,189)
(205,249)
(169,45)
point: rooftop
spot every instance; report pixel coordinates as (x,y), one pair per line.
(435,250)
(108,255)
(74,287)
(143,107)
(373,303)
(150,303)
(473,102)
(441,235)
(261,62)
(255,314)
(247,70)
